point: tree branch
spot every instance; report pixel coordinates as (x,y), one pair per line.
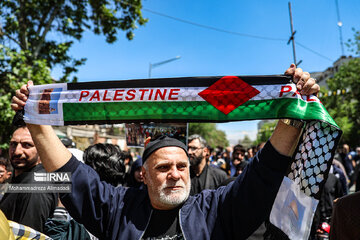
(42,22)
(22,31)
(46,30)
(10,37)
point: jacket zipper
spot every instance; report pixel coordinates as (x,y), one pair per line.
(180,224)
(146,225)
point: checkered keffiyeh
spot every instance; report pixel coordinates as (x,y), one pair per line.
(22,232)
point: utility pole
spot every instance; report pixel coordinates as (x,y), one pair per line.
(292,37)
(339,23)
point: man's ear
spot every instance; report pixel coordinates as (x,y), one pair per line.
(205,151)
(8,174)
(143,172)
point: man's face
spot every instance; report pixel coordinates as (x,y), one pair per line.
(22,152)
(166,174)
(4,174)
(196,152)
(238,156)
(138,175)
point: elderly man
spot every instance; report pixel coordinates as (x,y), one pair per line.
(165,210)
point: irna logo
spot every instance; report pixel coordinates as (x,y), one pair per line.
(52,177)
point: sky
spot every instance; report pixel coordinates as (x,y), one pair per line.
(212,38)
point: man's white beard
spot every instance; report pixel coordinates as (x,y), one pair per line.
(173,197)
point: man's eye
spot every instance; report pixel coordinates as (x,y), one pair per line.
(182,166)
(162,168)
(27,145)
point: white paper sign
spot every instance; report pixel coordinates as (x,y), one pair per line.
(293,211)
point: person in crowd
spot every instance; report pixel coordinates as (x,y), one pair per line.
(5,170)
(202,175)
(339,171)
(238,156)
(30,209)
(63,227)
(345,219)
(108,161)
(71,146)
(357,169)
(250,153)
(165,209)
(240,168)
(135,178)
(227,157)
(128,161)
(346,160)
(5,174)
(331,191)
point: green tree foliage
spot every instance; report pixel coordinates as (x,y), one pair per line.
(15,71)
(210,133)
(26,25)
(36,35)
(345,108)
(265,132)
(354,44)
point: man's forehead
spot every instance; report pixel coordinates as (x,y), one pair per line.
(172,150)
(22,134)
(168,153)
(170,161)
(194,142)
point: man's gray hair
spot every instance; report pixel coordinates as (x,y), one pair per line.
(200,138)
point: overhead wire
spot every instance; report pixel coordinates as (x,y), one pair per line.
(214,28)
(231,32)
(313,51)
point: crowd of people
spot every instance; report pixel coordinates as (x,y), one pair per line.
(173,191)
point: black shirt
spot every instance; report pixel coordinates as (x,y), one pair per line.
(30,209)
(164,225)
(198,182)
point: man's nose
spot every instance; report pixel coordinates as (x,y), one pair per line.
(175,174)
(18,149)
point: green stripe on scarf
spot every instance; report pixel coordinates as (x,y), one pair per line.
(267,109)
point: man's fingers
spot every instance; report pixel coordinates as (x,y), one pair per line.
(17,104)
(304,83)
(315,89)
(20,95)
(297,75)
(304,77)
(307,86)
(15,107)
(290,70)
(24,89)
(29,83)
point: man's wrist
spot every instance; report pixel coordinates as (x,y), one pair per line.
(293,122)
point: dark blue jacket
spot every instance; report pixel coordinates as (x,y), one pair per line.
(231,212)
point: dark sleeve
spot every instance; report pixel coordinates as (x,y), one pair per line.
(338,189)
(39,206)
(335,223)
(247,202)
(91,201)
